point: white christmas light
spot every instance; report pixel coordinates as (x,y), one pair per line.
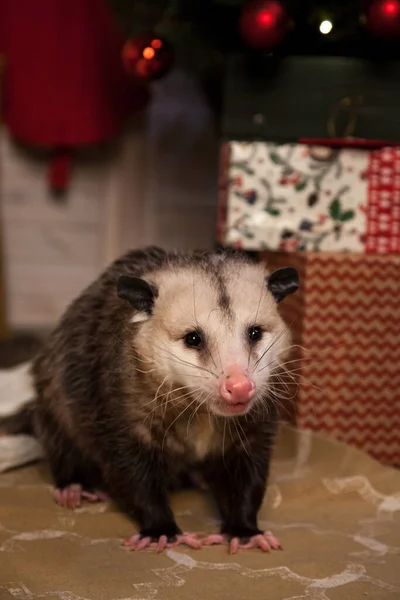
(325,27)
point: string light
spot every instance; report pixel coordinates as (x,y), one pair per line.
(325,27)
(391,8)
(383,18)
(265,18)
(156,44)
(148,53)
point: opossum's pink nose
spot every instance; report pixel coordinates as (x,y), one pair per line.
(237,388)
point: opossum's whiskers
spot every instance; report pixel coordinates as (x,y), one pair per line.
(283,395)
(187,363)
(223,441)
(172,401)
(196,409)
(273,342)
(172,391)
(305,358)
(197,322)
(255,318)
(176,418)
(236,423)
(303,380)
(204,400)
(145,372)
(210,415)
(229,427)
(282,403)
(159,396)
(184,362)
(291,374)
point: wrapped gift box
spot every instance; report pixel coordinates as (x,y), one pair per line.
(346,325)
(299,197)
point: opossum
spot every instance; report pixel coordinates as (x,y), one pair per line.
(162,374)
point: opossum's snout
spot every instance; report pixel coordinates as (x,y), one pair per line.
(236,391)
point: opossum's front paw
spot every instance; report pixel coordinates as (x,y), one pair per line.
(73,495)
(140,542)
(264,541)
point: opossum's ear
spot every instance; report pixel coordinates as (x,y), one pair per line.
(139,294)
(283,282)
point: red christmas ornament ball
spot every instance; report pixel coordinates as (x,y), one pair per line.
(264,24)
(383,18)
(147,57)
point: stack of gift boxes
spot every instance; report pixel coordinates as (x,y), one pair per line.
(334,214)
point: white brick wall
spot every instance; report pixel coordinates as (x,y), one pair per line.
(160,187)
(52,248)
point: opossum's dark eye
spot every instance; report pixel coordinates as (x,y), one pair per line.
(254,333)
(193,339)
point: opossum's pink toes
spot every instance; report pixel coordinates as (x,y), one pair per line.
(70,496)
(272,541)
(264,541)
(187,539)
(96,496)
(161,544)
(214,539)
(136,542)
(73,495)
(101,496)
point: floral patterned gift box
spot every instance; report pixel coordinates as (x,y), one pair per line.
(295,197)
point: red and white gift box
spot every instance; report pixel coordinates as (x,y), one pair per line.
(345,321)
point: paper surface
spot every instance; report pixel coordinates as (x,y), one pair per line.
(336,512)
(15,390)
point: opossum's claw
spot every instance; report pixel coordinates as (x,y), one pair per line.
(137,542)
(73,495)
(264,541)
(188,539)
(214,539)
(70,496)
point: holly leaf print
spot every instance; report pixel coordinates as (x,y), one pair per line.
(275,158)
(274,212)
(347,215)
(335,209)
(243,166)
(301,185)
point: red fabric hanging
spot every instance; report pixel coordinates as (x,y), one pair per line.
(64,82)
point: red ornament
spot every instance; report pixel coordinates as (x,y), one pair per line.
(383,18)
(147,57)
(264,24)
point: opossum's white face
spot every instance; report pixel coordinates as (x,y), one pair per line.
(215,337)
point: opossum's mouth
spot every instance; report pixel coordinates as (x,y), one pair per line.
(230,409)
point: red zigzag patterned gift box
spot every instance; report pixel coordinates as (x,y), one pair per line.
(346,323)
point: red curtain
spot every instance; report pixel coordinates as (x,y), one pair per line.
(64,80)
